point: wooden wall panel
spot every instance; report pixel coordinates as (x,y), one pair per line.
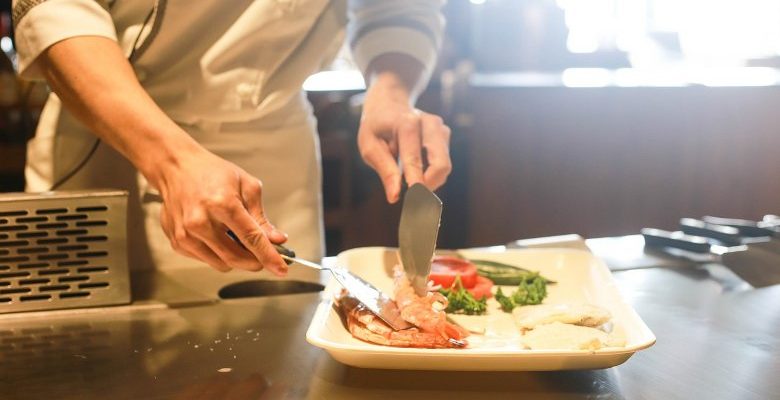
(609,161)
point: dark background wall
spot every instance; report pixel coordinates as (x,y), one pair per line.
(533,160)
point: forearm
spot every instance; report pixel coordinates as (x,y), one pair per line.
(97,84)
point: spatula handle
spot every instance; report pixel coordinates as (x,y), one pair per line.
(287,254)
(284,251)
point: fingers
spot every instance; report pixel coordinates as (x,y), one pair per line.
(236,218)
(197,249)
(212,235)
(252,194)
(436,141)
(189,247)
(377,153)
(410,148)
(201,233)
(414,132)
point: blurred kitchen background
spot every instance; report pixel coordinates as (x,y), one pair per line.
(596,117)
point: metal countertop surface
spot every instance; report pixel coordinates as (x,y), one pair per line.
(717,338)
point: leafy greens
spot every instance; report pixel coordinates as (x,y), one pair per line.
(531,290)
(460,301)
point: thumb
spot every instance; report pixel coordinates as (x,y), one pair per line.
(376,153)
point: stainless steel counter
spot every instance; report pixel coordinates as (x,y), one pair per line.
(717,338)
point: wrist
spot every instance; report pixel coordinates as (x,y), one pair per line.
(389,86)
(164,155)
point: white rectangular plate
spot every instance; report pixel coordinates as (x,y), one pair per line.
(581,278)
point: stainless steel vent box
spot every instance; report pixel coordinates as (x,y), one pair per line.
(63,250)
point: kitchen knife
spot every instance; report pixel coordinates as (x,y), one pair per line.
(746,227)
(732,232)
(371,297)
(756,266)
(417,233)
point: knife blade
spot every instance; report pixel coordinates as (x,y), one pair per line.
(417,234)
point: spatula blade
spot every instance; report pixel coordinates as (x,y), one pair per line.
(371,297)
(417,233)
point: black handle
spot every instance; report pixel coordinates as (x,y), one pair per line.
(279,248)
(285,251)
(679,240)
(746,227)
(727,235)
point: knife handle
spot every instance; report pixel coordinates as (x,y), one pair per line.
(746,227)
(679,240)
(725,234)
(279,248)
(285,252)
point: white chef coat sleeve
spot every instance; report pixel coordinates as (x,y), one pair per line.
(42,23)
(412,27)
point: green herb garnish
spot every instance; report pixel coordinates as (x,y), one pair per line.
(460,301)
(531,290)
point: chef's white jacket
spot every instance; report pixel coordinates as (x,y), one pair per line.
(230,73)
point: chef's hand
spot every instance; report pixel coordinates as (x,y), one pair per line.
(392,130)
(204,196)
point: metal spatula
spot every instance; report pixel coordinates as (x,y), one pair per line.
(374,299)
(417,233)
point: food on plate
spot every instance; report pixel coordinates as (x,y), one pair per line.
(461,301)
(431,328)
(559,336)
(483,288)
(503,274)
(529,317)
(365,325)
(455,273)
(532,289)
(445,269)
(464,293)
(425,312)
(566,326)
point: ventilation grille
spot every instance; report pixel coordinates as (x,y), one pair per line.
(62,250)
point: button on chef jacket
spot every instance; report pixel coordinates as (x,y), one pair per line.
(229,73)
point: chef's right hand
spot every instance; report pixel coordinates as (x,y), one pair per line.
(204,197)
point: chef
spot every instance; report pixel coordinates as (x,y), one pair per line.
(196,108)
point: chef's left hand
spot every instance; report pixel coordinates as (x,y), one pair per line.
(392,130)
